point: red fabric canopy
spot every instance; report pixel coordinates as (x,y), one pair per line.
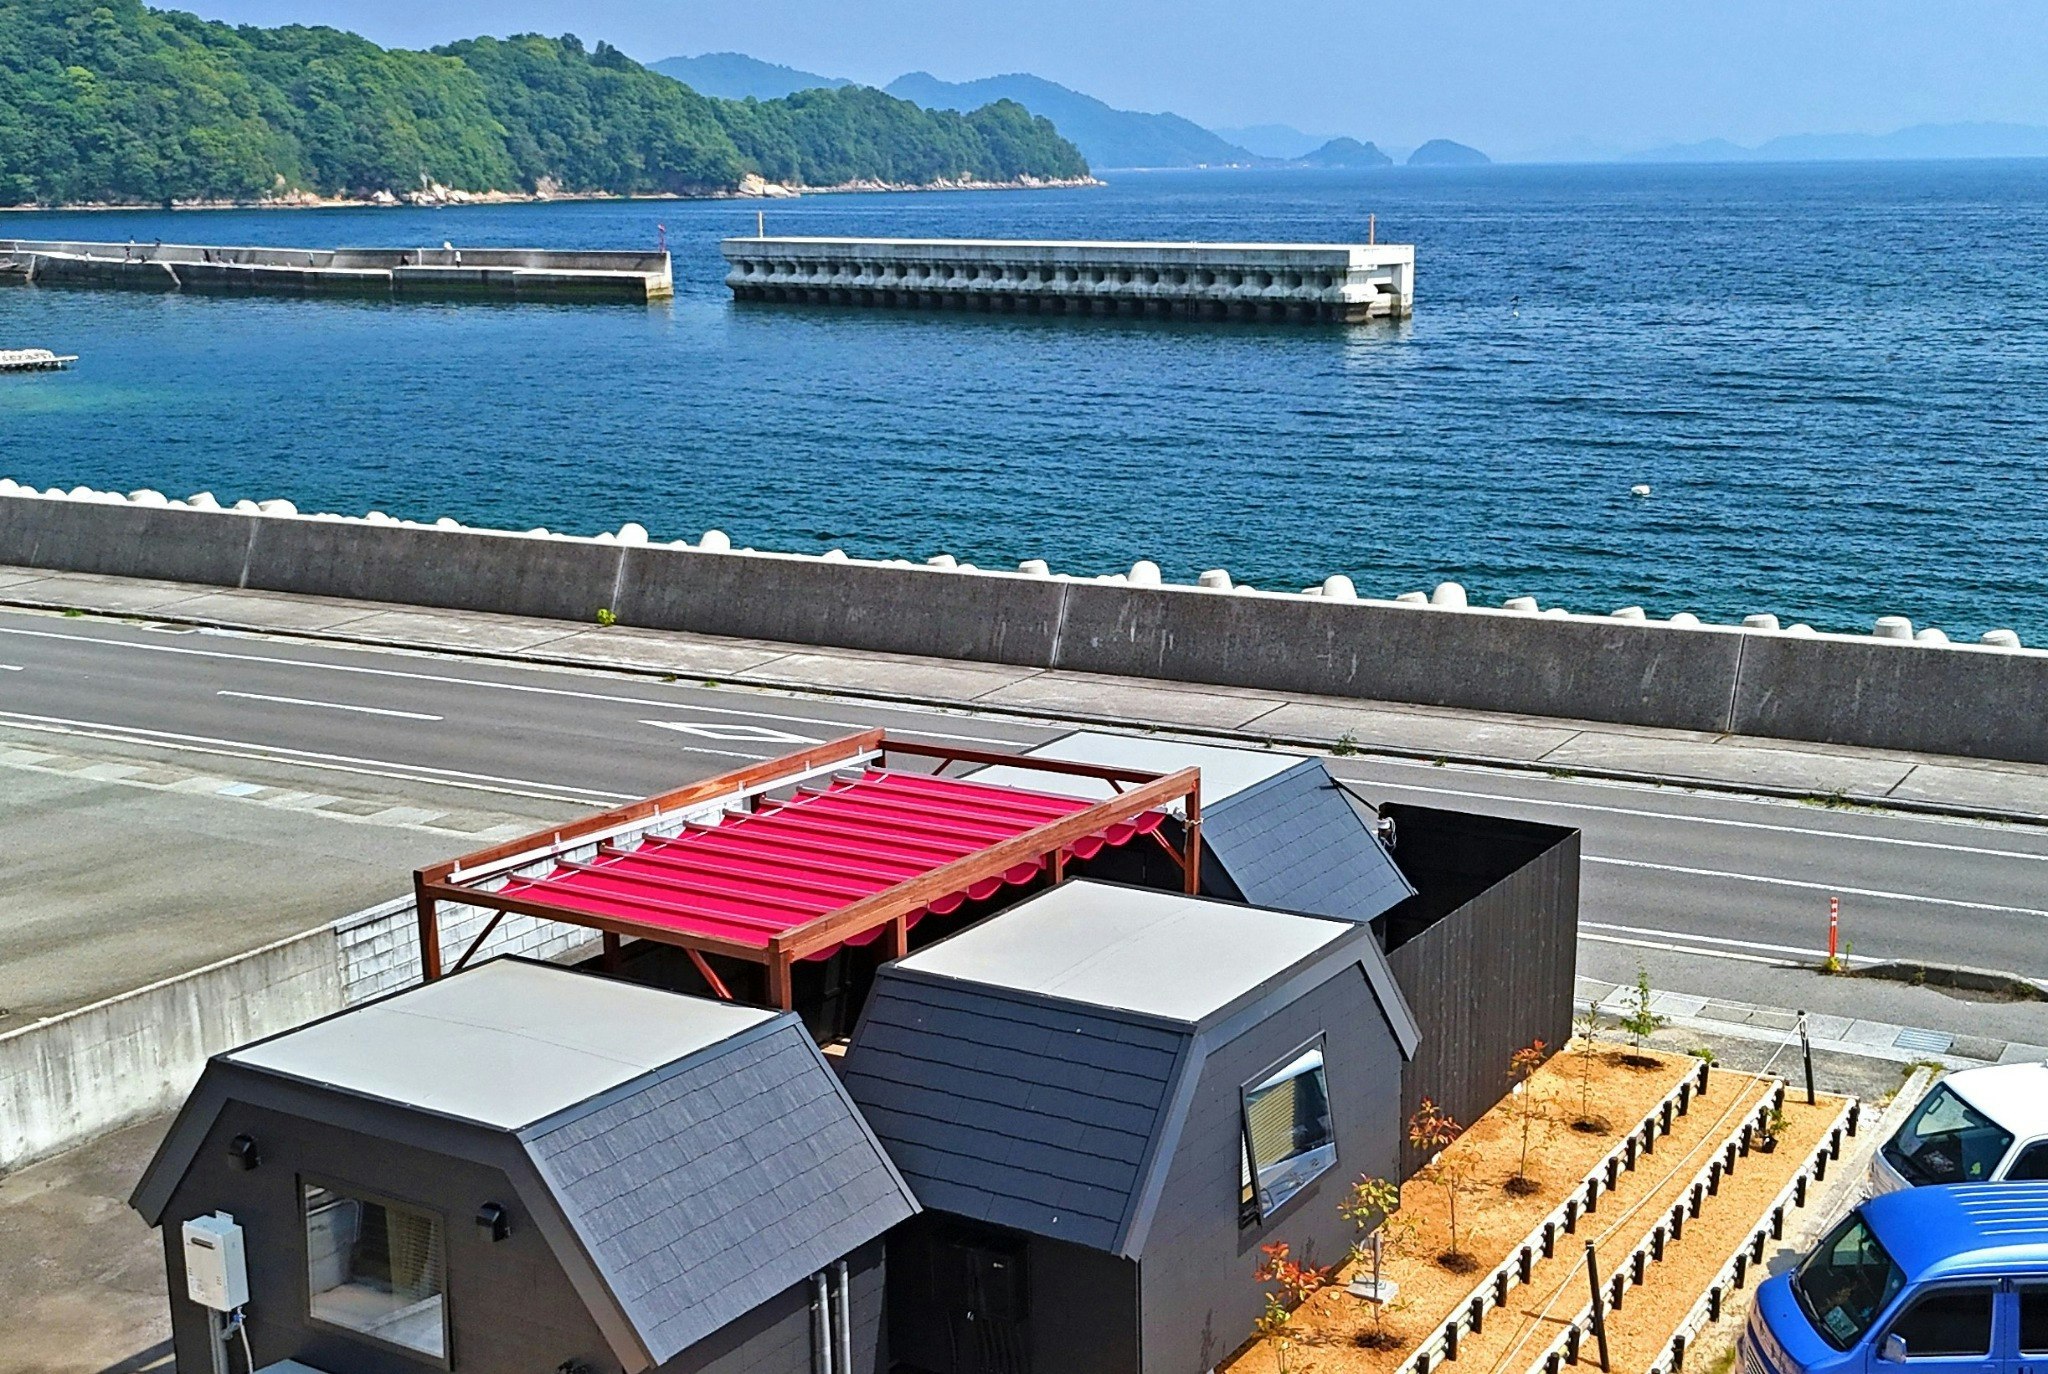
(789,862)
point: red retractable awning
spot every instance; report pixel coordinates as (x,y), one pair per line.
(764,873)
(819,849)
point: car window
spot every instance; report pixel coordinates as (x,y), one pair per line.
(2032,1165)
(1946,1140)
(1946,1322)
(2034,1318)
(1846,1282)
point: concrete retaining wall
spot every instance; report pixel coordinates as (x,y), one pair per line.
(1970,700)
(77,1076)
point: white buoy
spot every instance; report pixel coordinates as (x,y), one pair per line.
(1801,628)
(1931,635)
(632,532)
(1338,587)
(2000,639)
(1215,579)
(1554,612)
(1035,567)
(1892,627)
(1448,594)
(1685,619)
(1762,620)
(1526,605)
(537,532)
(1630,613)
(715,541)
(942,560)
(1413,598)
(1145,573)
(1639,489)
(834,556)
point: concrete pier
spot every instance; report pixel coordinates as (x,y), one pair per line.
(1341,283)
(497,273)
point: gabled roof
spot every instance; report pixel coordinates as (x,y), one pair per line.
(1161,954)
(697,1158)
(706,1189)
(505,1045)
(1034,1070)
(1278,825)
(1294,841)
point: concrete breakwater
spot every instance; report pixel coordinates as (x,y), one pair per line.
(1343,283)
(1878,690)
(505,273)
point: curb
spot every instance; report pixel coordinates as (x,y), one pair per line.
(1903,805)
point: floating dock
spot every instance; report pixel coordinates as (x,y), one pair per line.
(34,360)
(539,274)
(1341,283)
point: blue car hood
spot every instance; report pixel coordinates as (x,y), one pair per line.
(1785,1339)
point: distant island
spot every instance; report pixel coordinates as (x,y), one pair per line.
(1346,152)
(1441,152)
(108,102)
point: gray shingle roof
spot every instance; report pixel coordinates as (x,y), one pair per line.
(1294,842)
(1007,1108)
(703,1190)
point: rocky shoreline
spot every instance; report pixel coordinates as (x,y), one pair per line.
(437,196)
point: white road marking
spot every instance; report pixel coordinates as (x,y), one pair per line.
(1832,888)
(642,702)
(1709,939)
(1667,947)
(328,705)
(338,763)
(733,734)
(1706,820)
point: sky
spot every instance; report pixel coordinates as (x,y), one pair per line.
(1516,76)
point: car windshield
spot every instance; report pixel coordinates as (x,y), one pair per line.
(1946,1140)
(1846,1282)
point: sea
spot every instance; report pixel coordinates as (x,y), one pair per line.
(1833,378)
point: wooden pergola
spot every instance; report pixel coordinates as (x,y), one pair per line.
(784,878)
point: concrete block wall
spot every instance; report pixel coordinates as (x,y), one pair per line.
(1887,690)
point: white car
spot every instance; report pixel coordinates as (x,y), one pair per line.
(1985,1125)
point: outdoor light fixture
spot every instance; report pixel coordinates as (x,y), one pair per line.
(243,1150)
(494,1221)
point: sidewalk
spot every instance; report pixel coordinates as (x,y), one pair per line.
(1823,773)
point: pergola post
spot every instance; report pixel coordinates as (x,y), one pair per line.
(430,928)
(1191,854)
(779,994)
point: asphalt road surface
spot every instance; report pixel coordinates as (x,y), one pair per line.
(1710,893)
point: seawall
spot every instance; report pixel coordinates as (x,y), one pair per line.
(499,273)
(1977,701)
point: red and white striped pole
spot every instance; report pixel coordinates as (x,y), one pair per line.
(1834,930)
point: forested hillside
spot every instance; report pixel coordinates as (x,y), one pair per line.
(109,101)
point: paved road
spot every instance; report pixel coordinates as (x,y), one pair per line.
(1712,893)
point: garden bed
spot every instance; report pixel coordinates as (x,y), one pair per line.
(1642,1098)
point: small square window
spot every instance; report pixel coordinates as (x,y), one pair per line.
(378,1269)
(1288,1137)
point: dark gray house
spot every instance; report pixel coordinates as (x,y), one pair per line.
(526,1168)
(1277,830)
(1106,1099)
(1478,915)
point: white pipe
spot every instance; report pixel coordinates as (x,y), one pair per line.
(821,1325)
(842,1325)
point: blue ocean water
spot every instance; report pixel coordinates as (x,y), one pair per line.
(1834,378)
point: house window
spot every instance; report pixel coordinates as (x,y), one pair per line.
(378,1269)
(1288,1138)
